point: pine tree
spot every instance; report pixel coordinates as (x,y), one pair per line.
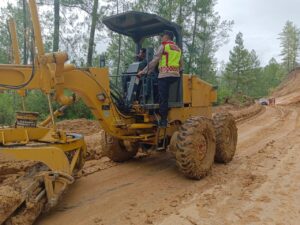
(290,43)
(254,86)
(16,12)
(239,65)
(273,74)
(203,40)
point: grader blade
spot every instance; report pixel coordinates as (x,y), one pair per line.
(21,203)
(58,157)
(31,195)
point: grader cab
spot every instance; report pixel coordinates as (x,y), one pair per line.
(194,136)
(139,27)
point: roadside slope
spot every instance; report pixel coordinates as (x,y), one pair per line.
(288,92)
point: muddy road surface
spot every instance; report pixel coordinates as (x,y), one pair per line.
(260,186)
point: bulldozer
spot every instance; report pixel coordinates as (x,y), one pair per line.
(126,107)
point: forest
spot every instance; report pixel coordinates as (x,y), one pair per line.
(75,26)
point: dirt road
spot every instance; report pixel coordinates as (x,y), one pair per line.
(260,186)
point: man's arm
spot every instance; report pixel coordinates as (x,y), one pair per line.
(151,66)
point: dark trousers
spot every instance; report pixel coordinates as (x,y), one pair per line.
(163,90)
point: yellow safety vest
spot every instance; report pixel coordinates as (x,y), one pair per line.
(170,61)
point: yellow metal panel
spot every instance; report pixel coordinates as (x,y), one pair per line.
(203,93)
(10,76)
(44,135)
(102,77)
(15,135)
(183,114)
(187,85)
(53,157)
(14,40)
(37,27)
(52,152)
(213,96)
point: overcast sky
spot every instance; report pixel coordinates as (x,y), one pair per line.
(259,20)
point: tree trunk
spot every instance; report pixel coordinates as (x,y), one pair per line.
(56,25)
(119,46)
(119,54)
(92,33)
(25,58)
(170,10)
(180,17)
(202,54)
(191,49)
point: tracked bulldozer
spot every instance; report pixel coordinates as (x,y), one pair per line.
(126,107)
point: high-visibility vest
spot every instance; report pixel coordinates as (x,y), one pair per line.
(170,61)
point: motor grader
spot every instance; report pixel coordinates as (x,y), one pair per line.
(126,107)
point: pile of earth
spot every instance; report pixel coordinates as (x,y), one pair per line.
(240,112)
(12,170)
(80,126)
(93,136)
(92,132)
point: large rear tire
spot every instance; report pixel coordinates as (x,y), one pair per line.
(226,136)
(196,146)
(118,150)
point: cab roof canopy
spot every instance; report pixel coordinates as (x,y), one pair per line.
(140,25)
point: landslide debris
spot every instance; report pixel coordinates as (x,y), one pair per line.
(92,132)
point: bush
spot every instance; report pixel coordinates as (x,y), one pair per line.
(78,110)
(36,101)
(7,115)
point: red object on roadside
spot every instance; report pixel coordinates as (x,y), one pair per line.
(272,101)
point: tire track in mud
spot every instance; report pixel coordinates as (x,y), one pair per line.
(152,191)
(252,192)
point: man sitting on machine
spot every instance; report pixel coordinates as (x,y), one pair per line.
(141,57)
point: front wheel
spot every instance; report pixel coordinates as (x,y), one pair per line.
(196,147)
(118,150)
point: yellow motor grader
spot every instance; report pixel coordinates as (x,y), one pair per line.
(126,107)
